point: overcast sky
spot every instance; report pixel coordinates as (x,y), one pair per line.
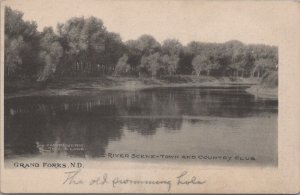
(214,21)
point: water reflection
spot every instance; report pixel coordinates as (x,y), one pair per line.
(95,120)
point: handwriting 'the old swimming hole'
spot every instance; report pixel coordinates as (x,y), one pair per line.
(182,179)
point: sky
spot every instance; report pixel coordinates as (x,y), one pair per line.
(189,20)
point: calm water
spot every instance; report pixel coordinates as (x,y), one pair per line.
(168,121)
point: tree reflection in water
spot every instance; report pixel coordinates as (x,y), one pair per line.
(95,119)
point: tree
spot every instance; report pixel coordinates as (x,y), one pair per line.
(265,58)
(200,63)
(171,47)
(114,49)
(85,43)
(210,52)
(83,46)
(122,67)
(147,44)
(169,63)
(185,62)
(240,57)
(134,56)
(171,50)
(13,55)
(21,45)
(139,49)
(194,48)
(50,54)
(151,64)
(212,65)
(262,65)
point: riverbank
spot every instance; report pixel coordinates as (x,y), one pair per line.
(75,86)
(263,92)
(268,86)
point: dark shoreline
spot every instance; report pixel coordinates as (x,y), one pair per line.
(78,86)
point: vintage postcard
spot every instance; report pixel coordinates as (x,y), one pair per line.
(157,96)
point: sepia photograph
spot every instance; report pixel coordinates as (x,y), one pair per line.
(164,83)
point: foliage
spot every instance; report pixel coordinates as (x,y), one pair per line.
(13,54)
(21,45)
(151,64)
(169,63)
(122,67)
(171,47)
(83,46)
(270,79)
(200,63)
(50,54)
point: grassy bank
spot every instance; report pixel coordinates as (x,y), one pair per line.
(263,92)
(267,88)
(74,86)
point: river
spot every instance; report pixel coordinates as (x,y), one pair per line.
(201,122)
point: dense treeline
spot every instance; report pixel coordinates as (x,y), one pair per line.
(84,47)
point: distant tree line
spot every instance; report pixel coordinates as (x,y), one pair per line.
(83,47)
